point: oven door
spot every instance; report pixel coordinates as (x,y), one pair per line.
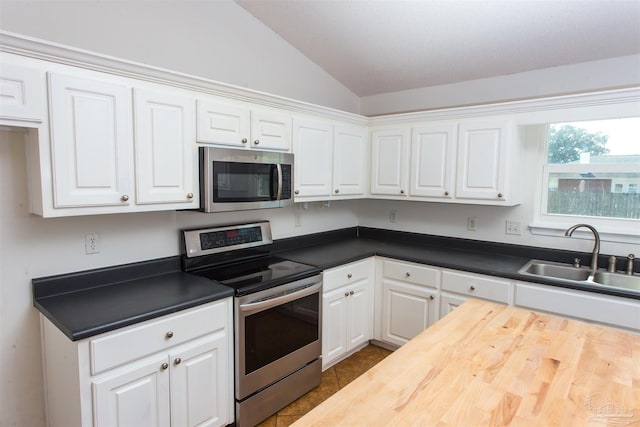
(278,331)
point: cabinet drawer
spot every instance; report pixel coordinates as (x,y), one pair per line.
(115,348)
(411,273)
(346,274)
(476,286)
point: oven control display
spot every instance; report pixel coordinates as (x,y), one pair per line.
(231,237)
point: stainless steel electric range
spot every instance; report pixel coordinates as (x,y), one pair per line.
(277,315)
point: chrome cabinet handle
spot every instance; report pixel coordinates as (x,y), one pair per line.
(296,192)
(349,276)
(431,297)
(256,142)
(189,195)
(472,288)
(351,293)
(164,366)
(401,191)
(244,140)
(499,195)
(124,198)
(337,191)
(407,274)
(177,361)
(446,193)
(346,294)
(169,335)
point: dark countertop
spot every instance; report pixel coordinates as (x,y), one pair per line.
(495,259)
(88,303)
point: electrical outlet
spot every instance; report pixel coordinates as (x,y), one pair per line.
(393,216)
(513,227)
(91,243)
(472,223)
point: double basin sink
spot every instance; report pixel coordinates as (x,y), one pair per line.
(559,271)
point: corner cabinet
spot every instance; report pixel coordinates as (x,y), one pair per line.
(347,310)
(172,371)
(330,160)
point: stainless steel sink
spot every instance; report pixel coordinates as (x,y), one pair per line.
(617,279)
(555,270)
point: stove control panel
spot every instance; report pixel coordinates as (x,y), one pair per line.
(226,238)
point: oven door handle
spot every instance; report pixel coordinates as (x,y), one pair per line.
(280,299)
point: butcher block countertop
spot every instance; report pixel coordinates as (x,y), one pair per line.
(488,364)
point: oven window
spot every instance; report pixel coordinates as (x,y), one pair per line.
(279,331)
(243,182)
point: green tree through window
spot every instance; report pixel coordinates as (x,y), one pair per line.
(567,142)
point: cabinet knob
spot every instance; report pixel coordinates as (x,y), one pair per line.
(499,195)
(296,192)
(256,142)
(337,191)
(431,297)
(189,195)
(351,292)
(244,140)
(169,335)
(164,366)
(124,198)
(472,288)
(177,361)
(407,274)
(446,193)
(346,294)
(401,191)
(349,276)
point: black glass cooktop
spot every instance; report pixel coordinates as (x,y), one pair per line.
(257,274)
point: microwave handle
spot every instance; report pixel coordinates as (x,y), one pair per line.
(279,190)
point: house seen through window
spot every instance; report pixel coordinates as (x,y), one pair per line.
(593,169)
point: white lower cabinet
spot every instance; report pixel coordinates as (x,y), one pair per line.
(180,374)
(409,300)
(591,307)
(459,286)
(347,310)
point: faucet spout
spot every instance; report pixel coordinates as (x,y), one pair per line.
(596,245)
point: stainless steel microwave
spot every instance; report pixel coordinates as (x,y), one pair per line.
(235,180)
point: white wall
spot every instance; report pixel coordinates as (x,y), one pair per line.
(35,247)
(593,76)
(217,40)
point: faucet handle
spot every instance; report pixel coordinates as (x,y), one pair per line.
(630,259)
(576,262)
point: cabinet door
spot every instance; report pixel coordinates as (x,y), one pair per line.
(91,142)
(334,321)
(389,162)
(449,302)
(21,94)
(270,130)
(223,123)
(407,310)
(200,385)
(482,159)
(138,396)
(360,313)
(349,161)
(165,155)
(432,161)
(313,149)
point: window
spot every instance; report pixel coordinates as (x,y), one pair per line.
(593,170)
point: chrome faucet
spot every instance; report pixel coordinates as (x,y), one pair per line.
(596,245)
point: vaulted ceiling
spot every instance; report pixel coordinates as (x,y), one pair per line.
(379,46)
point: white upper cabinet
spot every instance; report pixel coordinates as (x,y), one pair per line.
(21,92)
(238,125)
(313,148)
(330,161)
(165,154)
(484,159)
(91,142)
(433,161)
(390,162)
(349,161)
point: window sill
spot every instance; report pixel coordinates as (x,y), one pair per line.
(606,234)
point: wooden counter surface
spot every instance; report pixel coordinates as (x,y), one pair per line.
(489,364)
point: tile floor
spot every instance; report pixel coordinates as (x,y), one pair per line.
(333,379)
